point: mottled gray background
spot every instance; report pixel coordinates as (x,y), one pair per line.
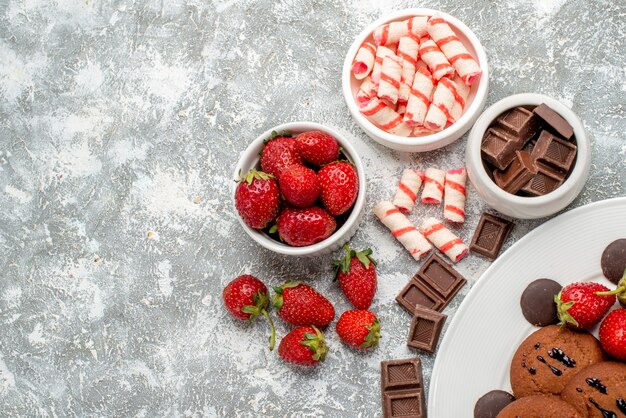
(120,124)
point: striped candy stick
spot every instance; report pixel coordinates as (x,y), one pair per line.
(381,53)
(454,50)
(391,33)
(455,193)
(384,116)
(364,61)
(433,185)
(462,93)
(442,238)
(367,90)
(420,97)
(409,185)
(434,58)
(401,108)
(389,84)
(402,229)
(408,50)
(441,106)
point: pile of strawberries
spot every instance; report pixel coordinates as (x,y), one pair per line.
(300,305)
(584,305)
(302,189)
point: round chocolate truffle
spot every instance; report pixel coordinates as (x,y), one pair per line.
(613,260)
(491,403)
(537,302)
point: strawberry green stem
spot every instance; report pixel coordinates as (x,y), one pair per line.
(618,291)
(273,328)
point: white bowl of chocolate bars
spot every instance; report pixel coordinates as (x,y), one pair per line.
(528,156)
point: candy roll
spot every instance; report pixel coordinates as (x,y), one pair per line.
(402,229)
(384,116)
(408,49)
(406,194)
(392,32)
(420,97)
(364,61)
(454,195)
(435,59)
(381,53)
(401,109)
(442,238)
(433,185)
(441,106)
(454,50)
(367,90)
(462,93)
(389,84)
(421,131)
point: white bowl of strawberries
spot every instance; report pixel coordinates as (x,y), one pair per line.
(300,189)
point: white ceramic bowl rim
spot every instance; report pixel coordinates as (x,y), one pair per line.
(489,115)
(474,106)
(353,157)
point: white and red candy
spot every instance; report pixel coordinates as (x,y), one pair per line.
(389,84)
(462,93)
(408,51)
(367,90)
(435,59)
(433,185)
(381,53)
(441,106)
(454,195)
(453,49)
(420,96)
(442,238)
(402,229)
(364,61)
(384,116)
(391,33)
(409,185)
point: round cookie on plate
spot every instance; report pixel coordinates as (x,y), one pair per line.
(598,391)
(539,406)
(549,357)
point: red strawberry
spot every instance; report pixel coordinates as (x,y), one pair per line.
(299,185)
(339,186)
(357,277)
(613,334)
(304,346)
(317,147)
(299,304)
(257,199)
(360,329)
(579,306)
(619,292)
(300,227)
(246,298)
(278,154)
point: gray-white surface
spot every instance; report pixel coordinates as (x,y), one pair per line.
(120,125)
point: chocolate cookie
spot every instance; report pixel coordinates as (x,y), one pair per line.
(613,260)
(598,391)
(491,403)
(549,357)
(537,302)
(539,406)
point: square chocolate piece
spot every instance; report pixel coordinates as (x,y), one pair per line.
(519,122)
(405,404)
(545,181)
(416,293)
(400,374)
(426,329)
(554,151)
(498,147)
(554,120)
(517,174)
(441,277)
(490,235)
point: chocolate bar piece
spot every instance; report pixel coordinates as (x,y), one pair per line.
(520,123)
(554,120)
(545,181)
(441,277)
(402,388)
(554,151)
(426,329)
(490,235)
(519,172)
(498,147)
(416,293)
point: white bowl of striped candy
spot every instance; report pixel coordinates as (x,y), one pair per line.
(411,132)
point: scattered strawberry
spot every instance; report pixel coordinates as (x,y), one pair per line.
(299,304)
(579,306)
(360,329)
(299,185)
(304,346)
(301,227)
(246,298)
(357,277)
(278,154)
(257,199)
(317,147)
(613,334)
(339,186)
(619,292)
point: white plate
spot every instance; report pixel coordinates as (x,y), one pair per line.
(477,349)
